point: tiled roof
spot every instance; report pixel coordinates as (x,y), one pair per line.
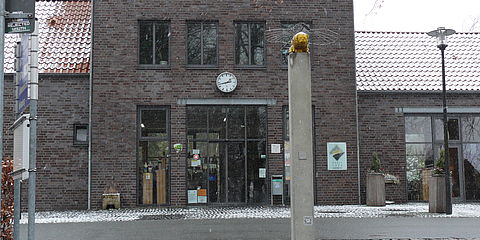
(398,61)
(64,37)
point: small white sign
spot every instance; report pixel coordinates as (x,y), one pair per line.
(192,196)
(262,173)
(202,199)
(196,151)
(307,220)
(276,148)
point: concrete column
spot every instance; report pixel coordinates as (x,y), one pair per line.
(301,143)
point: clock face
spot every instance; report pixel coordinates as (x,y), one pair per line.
(226,82)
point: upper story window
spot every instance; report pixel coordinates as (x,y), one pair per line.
(154,42)
(250,43)
(289,30)
(202,43)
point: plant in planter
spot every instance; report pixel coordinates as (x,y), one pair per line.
(375,183)
(436,185)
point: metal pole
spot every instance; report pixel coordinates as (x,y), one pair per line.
(33,133)
(16,208)
(448,200)
(2,79)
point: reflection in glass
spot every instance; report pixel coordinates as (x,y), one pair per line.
(453,166)
(146,43)
(256,122)
(161,43)
(471,166)
(256,172)
(453,129)
(153,123)
(250,43)
(418,129)
(236,172)
(471,129)
(217,122)
(194,40)
(202,43)
(236,122)
(197,122)
(419,160)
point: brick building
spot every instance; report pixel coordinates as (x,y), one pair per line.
(162,76)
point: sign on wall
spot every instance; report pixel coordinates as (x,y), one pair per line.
(337,155)
(20,24)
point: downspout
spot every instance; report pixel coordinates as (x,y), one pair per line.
(358,144)
(90,102)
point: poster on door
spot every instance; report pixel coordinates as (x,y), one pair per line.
(337,156)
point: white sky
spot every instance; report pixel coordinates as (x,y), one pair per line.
(417,15)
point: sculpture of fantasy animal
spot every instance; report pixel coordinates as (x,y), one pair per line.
(299,43)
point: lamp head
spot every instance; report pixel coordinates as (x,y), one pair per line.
(441,34)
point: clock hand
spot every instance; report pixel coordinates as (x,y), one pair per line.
(225,82)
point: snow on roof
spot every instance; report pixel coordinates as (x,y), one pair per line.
(64,37)
(409,61)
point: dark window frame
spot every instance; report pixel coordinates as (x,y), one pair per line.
(76,126)
(154,64)
(140,138)
(249,65)
(201,65)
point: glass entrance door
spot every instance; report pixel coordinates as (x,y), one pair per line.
(226,180)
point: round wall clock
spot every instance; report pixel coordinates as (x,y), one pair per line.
(226,82)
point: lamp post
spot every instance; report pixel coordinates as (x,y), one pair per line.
(441,34)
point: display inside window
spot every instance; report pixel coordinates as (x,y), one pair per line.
(223,165)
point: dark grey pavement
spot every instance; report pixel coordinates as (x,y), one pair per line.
(233,229)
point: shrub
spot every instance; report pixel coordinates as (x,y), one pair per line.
(6,224)
(440,164)
(375,167)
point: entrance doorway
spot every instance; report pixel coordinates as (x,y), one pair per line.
(226,162)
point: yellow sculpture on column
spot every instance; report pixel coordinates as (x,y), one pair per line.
(299,43)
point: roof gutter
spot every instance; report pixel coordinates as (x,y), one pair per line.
(90,102)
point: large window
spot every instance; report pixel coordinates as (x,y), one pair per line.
(154,42)
(424,136)
(250,43)
(202,43)
(152,155)
(226,160)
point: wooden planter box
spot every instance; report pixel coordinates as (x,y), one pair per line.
(436,194)
(375,189)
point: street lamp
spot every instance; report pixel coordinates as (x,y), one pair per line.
(441,34)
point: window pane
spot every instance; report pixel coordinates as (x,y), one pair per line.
(419,157)
(210,44)
(453,129)
(288,32)
(193,43)
(197,122)
(418,129)
(257,44)
(82,134)
(236,122)
(471,129)
(197,169)
(146,43)
(256,122)
(217,122)
(241,46)
(256,172)
(161,43)
(154,123)
(471,163)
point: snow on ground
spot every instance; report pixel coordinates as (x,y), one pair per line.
(165,213)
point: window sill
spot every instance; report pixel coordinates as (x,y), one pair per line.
(201,67)
(80,144)
(154,67)
(251,67)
